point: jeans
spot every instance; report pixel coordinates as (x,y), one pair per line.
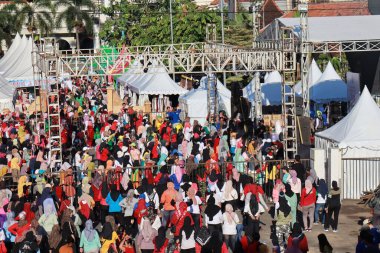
(166,216)
(308,211)
(196,219)
(230,241)
(319,206)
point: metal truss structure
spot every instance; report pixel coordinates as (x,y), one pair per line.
(182,58)
(344,46)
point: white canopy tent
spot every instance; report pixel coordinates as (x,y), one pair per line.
(357,134)
(7,92)
(16,66)
(156,81)
(355,144)
(271,90)
(194,102)
(329,87)
(11,51)
(312,78)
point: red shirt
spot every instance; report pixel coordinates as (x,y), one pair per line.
(18,231)
(307,198)
(249,247)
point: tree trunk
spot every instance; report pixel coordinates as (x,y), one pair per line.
(77,39)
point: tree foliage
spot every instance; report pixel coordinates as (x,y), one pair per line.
(147,23)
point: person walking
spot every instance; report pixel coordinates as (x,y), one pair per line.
(333,207)
(307,203)
(319,213)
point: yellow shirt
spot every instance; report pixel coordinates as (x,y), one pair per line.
(272,174)
(15,163)
(107,243)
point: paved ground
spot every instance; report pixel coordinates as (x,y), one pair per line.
(351,215)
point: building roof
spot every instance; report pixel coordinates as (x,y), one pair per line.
(345,28)
(334,9)
(270,11)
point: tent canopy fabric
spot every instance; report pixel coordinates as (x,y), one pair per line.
(344,28)
(11,51)
(6,94)
(271,90)
(155,82)
(312,77)
(329,87)
(359,129)
(196,100)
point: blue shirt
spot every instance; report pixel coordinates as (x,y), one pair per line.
(174,116)
(113,206)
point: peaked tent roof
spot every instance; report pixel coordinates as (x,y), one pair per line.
(271,90)
(13,61)
(359,129)
(329,74)
(312,77)
(196,99)
(23,68)
(156,82)
(329,87)
(11,51)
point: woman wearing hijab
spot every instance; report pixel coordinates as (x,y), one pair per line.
(230,195)
(230,220)
(333,207)
(146,236)
(89,240)
(55,238)
(128,205)
(307,203)
(319,213)
(161,242)
(213,215)
(294,248)
(324,245)
(284,218)
(178,218)
(113,199)
(187,237)
(292,201)
(49,218)
(194,208)
(108,238)
(300,237)
(295,183)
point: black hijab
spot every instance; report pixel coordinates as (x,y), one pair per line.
(187,228)
(107,231)
(288,191)
(114,193)
(284,207)
(211,209)
(160,238)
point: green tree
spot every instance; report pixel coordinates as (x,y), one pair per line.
(147,23)
(76,15)
(9,25)
(36,15)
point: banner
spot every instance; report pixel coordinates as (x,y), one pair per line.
(353,88)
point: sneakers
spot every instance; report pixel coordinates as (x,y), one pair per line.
(335,231)
(326,230)
(316,223)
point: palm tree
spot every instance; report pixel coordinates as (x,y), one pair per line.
(9,26)
(76,15)
(37,15)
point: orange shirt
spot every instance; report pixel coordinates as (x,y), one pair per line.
(167,197)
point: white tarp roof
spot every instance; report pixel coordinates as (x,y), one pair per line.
(11,62)
(6,94)
(271,90)
(23,67)
(155,82)
(11,51)
(196,100)
(360,128)
(339,28)
(329,87)
(312,77)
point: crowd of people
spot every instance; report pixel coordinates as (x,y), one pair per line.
(130,183)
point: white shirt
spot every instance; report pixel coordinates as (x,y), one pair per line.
(187,243)
(217,219)
(320,199)
(229,228)
(194,206)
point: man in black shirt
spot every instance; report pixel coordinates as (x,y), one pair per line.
(300,169)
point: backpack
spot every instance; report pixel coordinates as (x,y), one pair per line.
(253,204)
(203,236)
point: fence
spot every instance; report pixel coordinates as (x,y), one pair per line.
(360,175)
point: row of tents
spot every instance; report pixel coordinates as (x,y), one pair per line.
(323,87)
